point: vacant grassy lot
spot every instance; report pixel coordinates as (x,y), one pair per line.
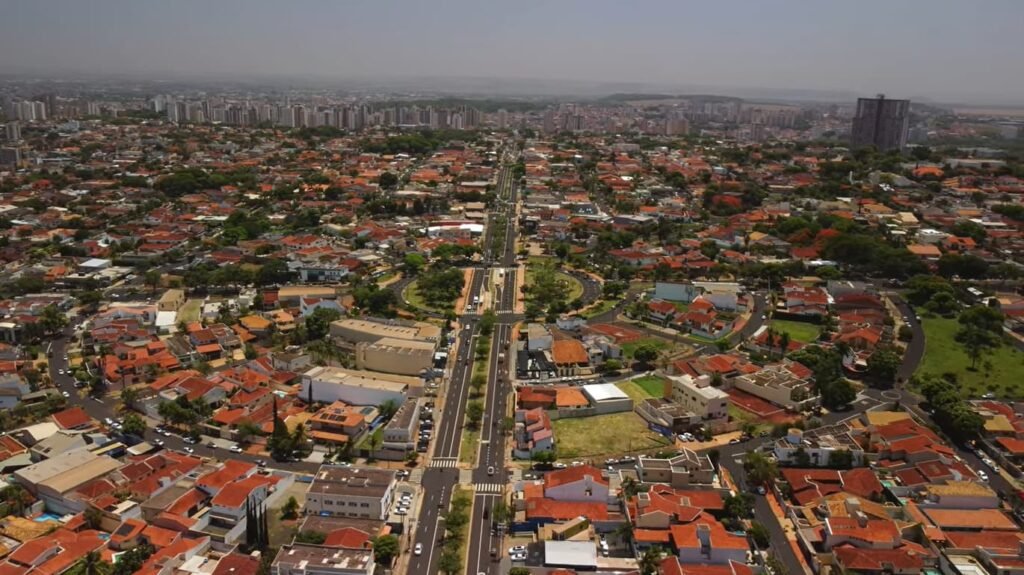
(1000,372)
(634,391)
(744,416)
(604,436)
(652,384)
(629,348)
(190,311)
(797,330)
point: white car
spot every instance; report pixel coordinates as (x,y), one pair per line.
(982,475)
(517,549)
(60,372)
(401,512)
(235,449)
(65,394)
(518,557)
(418,549)
(189,450)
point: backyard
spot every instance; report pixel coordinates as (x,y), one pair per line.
(1000,372)
(602,436)
(797,330)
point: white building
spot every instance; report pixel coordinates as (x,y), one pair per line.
(697,395)
(330,384)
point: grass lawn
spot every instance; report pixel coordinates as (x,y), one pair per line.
(604,435)
(652,384)
(573,287)
(599,308)
(634,391)
(469,446)
(190,311)
(368,439)
(628,349)
(797,330)
(737,414)
(412,295)
(942,354)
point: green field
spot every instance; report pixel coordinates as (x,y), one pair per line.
(652,384)
(1000,372)
(190,311)
(634,391)
(629,348)
(797,330)
(604,435)
(601,307)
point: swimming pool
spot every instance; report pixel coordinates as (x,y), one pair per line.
(47,517)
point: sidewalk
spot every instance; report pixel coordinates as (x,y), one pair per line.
(787,526)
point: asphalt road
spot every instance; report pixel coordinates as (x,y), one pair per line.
(441,475)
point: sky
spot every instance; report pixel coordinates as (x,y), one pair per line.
(938,49)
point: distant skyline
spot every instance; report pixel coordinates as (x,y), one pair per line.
(935,49)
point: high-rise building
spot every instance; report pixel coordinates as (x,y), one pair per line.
(502,118)
(882,123)
(10,156)
(12,131)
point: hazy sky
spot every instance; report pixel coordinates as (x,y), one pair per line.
(933,48)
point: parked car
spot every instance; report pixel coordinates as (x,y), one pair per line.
(418,549)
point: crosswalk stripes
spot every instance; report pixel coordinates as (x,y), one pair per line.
(444,462)
(489,488)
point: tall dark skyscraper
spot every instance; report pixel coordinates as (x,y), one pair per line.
(881,123)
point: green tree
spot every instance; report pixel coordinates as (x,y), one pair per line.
(980,331)
(246,430)
(414,263)
(91,564)
(318,323)
(290,509)
(388,408)
(385,549)
(651,560)
(152,279)
(884,363)
(646,353)
(129,397)
(387,180)
(759,534)
(760,470)
(52,319)
(450,563)
(474,413)
(477,383)
(134,425)
(93,518)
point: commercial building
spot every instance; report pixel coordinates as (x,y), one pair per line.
(607,398)
(882,123)
(698,396)
(400,433)
(351,492)
(299,559)
(393,355)
(55,480)
(330,384)
(354,331)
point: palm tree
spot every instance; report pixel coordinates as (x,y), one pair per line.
(91,564)
(650,561)
(783,343)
